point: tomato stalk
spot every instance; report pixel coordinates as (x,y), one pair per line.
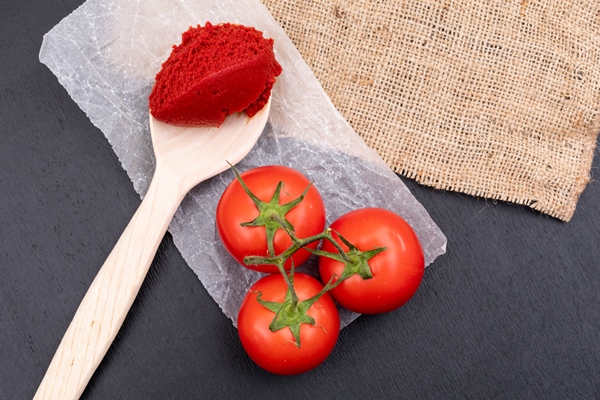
(355,262)
(292,312)
(280,260)
(297,244)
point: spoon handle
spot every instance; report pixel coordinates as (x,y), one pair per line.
(111,294)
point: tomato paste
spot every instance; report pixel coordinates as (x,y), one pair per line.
(217,70)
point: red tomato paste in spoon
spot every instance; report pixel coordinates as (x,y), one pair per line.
(217,70)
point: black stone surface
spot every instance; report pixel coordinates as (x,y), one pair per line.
(512,311)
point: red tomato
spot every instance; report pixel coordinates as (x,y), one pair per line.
(236,207)
(397,271)
(277,352)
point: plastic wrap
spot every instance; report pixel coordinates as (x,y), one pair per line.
(106,54)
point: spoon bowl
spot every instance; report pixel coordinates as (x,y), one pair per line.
(196,154)
(184,158)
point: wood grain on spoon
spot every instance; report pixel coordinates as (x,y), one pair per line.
(184,158)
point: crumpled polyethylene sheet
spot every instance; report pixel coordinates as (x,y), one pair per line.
(107,53)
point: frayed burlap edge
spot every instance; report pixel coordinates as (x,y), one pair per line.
(493,99)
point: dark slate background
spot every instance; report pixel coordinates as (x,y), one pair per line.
(510,312)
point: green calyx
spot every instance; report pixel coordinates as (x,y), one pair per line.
(272,214)
(355,262)
(291,313)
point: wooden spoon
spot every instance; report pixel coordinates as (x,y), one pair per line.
(184,158)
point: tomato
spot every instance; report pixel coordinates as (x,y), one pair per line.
(277,352)
(397,271)
(236,207)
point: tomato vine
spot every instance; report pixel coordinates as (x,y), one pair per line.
(280,310)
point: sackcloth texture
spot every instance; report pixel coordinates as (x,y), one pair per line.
(496,99)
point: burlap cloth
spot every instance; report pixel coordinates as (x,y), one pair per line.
(496,99)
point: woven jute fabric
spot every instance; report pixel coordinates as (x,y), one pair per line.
(496,99)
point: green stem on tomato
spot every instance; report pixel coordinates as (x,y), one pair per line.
(292,312)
